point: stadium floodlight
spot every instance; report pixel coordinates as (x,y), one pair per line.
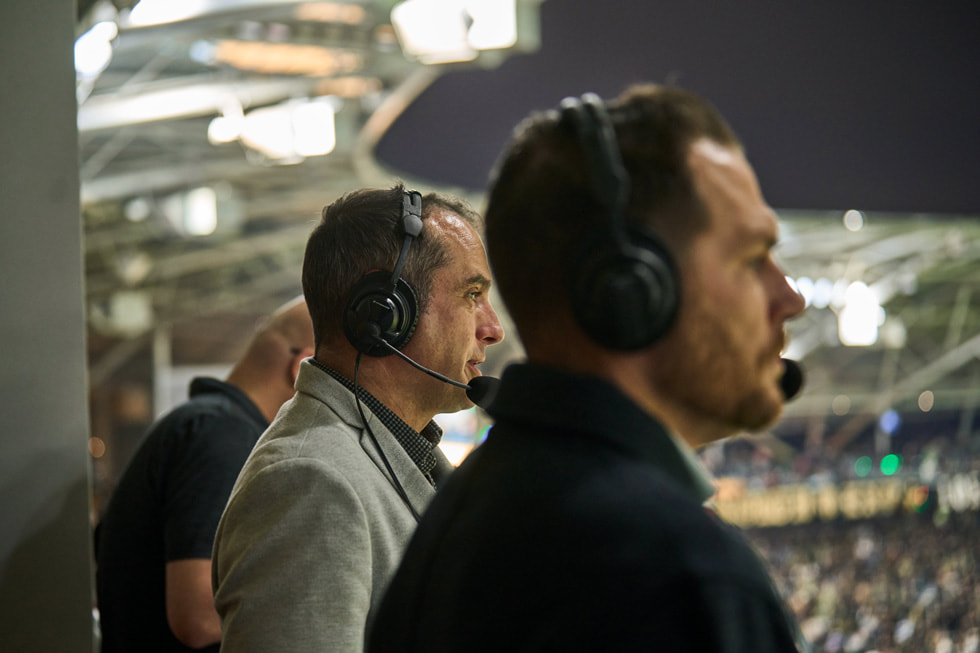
(443,31)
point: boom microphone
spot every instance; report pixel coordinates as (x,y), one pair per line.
(792,379)
(481,390)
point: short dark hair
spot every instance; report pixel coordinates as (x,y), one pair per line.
(541,208)
(361,232)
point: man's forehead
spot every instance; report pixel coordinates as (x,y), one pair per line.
(758,227)
(446,224)
(467,264)
(728,186)
(713,151)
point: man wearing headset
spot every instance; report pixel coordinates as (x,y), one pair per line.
(653,320)
(323,508)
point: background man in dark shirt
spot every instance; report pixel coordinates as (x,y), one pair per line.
(632,247)
(154,543)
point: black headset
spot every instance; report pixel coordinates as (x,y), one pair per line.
(382,307)
(624,290)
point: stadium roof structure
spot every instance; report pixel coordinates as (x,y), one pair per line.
(869,107)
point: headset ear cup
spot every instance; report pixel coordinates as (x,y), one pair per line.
(625,298)
(376,311)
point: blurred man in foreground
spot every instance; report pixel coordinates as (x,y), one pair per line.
(633,249)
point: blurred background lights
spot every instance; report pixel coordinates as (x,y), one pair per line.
(862,466)
(838,295)
(433,33)
(893,333)
(494,24)
(823,292)
(891,464)
(860,317)
(920,498)
(313,129)
(201,211)
(926,401)
(270,132)
(193,212)
(284,133)
(460,433)
(230,123)
(137,209)
(225,129)
(93,49)
(441,31)
(889,421)
(841,405)
(133,266)
(203,52)
(805,286)
(96,447)
(853,220)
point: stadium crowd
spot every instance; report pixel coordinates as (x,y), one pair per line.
(900,583)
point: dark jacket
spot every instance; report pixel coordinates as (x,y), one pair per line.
(577,526)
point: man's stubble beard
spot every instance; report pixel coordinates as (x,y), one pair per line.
(700,372)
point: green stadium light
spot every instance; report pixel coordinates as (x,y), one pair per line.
(890,464)
(862,466)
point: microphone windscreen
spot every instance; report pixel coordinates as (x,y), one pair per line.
(482,390)
(792,379)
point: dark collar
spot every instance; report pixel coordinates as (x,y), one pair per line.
(202,385)
(419,446)
(551,399)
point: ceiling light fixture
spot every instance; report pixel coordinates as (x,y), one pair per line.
(443,31)
(284,133)
(93,49)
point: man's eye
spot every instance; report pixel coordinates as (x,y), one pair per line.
(757,262)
